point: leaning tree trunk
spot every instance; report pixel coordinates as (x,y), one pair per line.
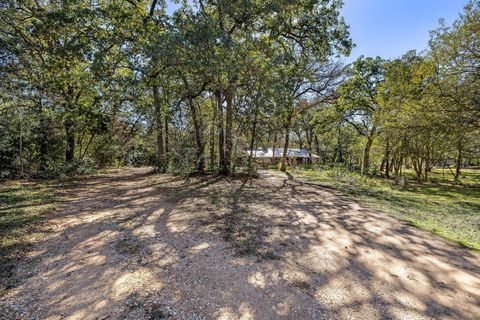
(159,126)
(459,160)
(382,166)
(283,162)
(228,131)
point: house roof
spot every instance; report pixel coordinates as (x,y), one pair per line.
(291,153)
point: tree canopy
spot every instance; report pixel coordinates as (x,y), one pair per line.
(117,82)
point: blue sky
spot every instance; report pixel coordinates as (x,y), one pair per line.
(389,28)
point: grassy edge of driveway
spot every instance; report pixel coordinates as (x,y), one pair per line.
(449,210)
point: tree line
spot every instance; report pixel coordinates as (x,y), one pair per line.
(121,82)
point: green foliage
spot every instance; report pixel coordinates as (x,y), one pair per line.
(415,112)
(94,67)
(76,167)
(119,82)
(139,155)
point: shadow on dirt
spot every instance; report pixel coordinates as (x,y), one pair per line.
(139,245)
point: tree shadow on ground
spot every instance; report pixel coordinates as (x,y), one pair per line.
(136,245)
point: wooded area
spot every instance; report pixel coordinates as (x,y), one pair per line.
(229,159)
(114,82)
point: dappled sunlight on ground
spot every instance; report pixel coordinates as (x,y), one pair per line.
(130,244)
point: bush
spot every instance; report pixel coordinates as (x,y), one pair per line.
(76,167)
(5,174)
(342,173)
(107,151)
(139,157)
(182,162)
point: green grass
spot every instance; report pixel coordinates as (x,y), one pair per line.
(449,210)
(23,206)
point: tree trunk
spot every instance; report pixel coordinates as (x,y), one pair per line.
(340,153)
(459,160)
(428,163)
(419,173)
(317,147)
(418,167)
(274,146)
(339,147)
(382,166)
(43,143)
(366,155)
(396,160)
(167,137)
(20,147)
(228,130)
(298,133)
(87,146)
(159,126)
(309,134)
(70,136)
(387,159)
(212,135)
(222,166)
(200,162)
(252,141)
(283,162)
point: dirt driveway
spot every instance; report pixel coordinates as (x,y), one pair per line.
(129,244)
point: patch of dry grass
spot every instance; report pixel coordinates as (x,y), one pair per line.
(440,206)
(23,206)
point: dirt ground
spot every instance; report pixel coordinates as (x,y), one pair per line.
(129,244)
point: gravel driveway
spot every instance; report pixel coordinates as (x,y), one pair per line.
(129,244)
